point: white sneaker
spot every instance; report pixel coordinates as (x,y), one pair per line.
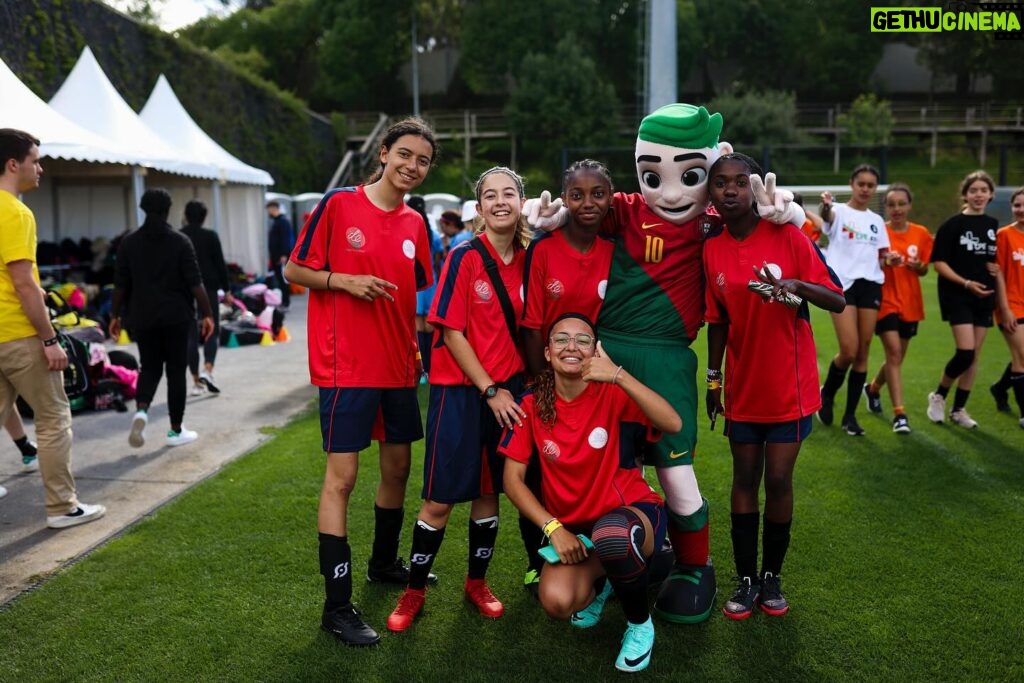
(80,515)
(198,389)
(137,437)
(936,408)
(29,464)
(207,379)
(181,438)
(960,417)
(3,492)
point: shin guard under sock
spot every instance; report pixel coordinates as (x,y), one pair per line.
(775,543)
(744,543)
(482,535)
(336,568)
(387,532)
(426,542)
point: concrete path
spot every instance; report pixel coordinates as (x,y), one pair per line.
(261,386)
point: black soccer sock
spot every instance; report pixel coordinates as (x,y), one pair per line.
(833,381)
(423,338)
(1017,384)
(386,534)
(943,391)
(854,387)
(533,539)
(482,535)
(960,398)
(774,545)
(744,543)
(336,568)
(27,448)
(633,597)
(426,542)
(1003,384)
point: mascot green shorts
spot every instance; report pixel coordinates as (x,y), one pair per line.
(669,367)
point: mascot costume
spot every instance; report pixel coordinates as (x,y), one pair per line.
(653,307)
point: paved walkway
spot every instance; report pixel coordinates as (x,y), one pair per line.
(261,386)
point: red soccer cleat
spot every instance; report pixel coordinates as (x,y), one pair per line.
(480,595)
(409,605)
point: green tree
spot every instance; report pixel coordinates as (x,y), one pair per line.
(756,117)
(868,122)
(561,100)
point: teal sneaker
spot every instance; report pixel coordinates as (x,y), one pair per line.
(591,614)
(637,643)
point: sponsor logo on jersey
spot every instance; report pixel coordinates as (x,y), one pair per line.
(356,238)
(598,438)
(550,450)
(912,251)
(720,280)
(602,288)
(555,288)
(482,290)
(1018,255)
(647,226)
(672,455)
(409,249)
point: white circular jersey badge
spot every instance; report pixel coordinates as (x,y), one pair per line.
(602,288)
(912,251)
(356,238)
(409,249)
(598,438)
(774,269)
(991,236)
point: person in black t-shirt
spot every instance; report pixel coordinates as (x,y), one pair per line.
(964,257)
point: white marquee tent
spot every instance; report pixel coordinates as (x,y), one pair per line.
(236,202)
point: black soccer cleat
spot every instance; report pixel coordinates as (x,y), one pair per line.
(825,415)
(396,573)
(1002,398)
(346,624)
(873,400)
(851,427)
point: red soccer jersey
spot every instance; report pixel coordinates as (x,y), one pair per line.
(771,367)
(466,301)
(355,343)
(561,280)
(901,291)
(588,459)
(657,282)
(1010,257)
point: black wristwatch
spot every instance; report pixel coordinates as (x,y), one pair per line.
(490,392)
(52,341)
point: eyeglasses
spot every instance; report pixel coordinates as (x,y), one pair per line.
(583,340)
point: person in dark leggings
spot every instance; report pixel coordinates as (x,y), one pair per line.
(155,282)
(214,272)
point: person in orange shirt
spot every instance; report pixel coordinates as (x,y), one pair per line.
(1010,304)
(902,306)
(812,222)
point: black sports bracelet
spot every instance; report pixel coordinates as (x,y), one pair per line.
(51,341)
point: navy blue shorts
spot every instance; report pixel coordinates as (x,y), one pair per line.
(352,417)
(461,462)
(791,431)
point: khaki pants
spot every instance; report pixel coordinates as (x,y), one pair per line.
(24,372)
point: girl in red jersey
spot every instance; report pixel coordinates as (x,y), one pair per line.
(1010,311)
(475,376)
(566,270)
(363,254)
(858,247)
(760,278)
(964,258)
(902,305)
(586,418)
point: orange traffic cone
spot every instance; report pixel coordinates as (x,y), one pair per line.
(282,335)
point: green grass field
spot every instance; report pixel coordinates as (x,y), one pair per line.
(904,565)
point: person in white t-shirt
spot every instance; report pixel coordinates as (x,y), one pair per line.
(858,246)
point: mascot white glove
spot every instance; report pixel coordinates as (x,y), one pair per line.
(544,213)
(777,206)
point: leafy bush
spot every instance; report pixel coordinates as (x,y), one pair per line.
(756,117)
(869,121)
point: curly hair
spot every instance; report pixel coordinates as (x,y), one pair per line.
(544,397)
